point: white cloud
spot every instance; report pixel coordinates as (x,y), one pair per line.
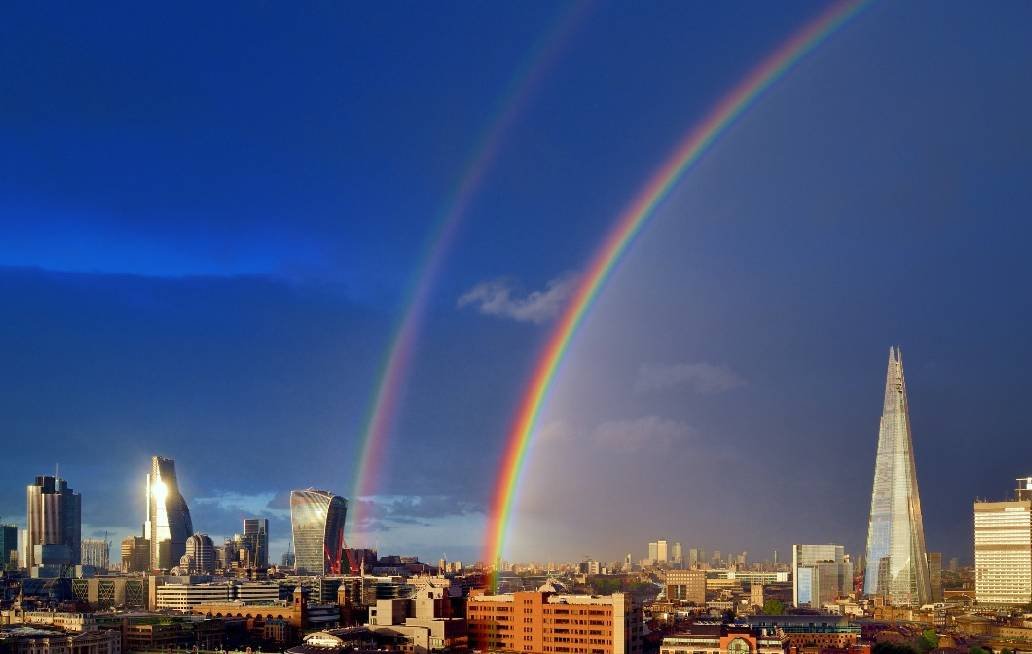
(703,377)
(648,432)
(254,504)
(500,297)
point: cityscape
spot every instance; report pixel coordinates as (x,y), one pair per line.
(568,327)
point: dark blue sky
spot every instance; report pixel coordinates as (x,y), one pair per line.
(210,216)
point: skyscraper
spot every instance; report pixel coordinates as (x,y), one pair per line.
(897,566)
(200,554)
(96,552)
(53,520)
(662,551)
(135,554)
(8,547)
(820,574)
(317,526)
(168,517)
(256,534)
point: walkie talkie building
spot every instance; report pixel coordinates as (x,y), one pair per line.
(897,567)
(317,525)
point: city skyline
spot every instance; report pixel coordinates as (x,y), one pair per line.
(209,252)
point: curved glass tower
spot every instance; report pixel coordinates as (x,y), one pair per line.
(168,517)
(317,525)
(897,567)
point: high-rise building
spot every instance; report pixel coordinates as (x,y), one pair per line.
(935,575)
(675,553)
(8,547)
(653,552)
(1003,549)
(135,554)
(694,557)
(256,534)
(897,564)
(662,551)
(168,517)
(317,526)
(53,519)
(820,574)
(96,552)
(200,554)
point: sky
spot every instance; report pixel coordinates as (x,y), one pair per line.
(210,217)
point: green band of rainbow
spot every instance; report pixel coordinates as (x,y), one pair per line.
(630,223)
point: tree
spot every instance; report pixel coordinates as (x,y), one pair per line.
(928,641)
(773,607)
(978,650)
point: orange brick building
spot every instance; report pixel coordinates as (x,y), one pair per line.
(548,623)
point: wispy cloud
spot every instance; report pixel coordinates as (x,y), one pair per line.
(502,298)
(702,377)
(645,433)
(381,512)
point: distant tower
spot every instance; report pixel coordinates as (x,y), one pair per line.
(897,565)
(256,534)
(168,517)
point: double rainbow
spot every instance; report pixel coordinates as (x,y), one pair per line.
(629,225)
(394,371)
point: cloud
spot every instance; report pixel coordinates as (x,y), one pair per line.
(500,297)
(263,504)
(382,512)
(645,433)
(703,377)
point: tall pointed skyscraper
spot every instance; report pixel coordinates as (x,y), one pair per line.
(897,567)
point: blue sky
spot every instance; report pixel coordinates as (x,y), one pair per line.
(210,216)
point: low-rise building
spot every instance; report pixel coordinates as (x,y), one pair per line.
(719,638)
(39,640)
(686,586)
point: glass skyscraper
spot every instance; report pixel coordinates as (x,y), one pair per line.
(53,523)
(897,567)
(317,524)
(168,517)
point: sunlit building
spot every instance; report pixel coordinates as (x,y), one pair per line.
(53,521)
(317,526)
(820,574)
(135,552)
(200,554)
(1003,549)
(897,566)
(168,522)
(96,552)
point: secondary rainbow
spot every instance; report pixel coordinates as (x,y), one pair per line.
(394,371)
(688,151)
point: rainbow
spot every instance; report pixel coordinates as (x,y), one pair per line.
(628,226)
(394,370)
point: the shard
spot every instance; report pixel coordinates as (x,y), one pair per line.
(897,566)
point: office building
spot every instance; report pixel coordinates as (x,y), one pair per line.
(686,586)
(897,564)
(675,554)
(935,575)
(536,621)
(96,552)
(1003,549)
(168,522)
(135,554)
(694,557)
(317,526)
(256,536)
(8,547)
(199,557)
(53,521)
(820,574)
(653,553)
(662,551)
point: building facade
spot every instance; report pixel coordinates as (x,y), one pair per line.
(820,574)
(897,565)
(717,638)
(52,518)
(168,522)
(1003,549)
(8,547)
(135,554)
(317,526)
(200,554)
(543,622)
(96,552)
(256,535)
(686,586)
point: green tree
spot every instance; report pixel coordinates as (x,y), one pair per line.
(773,607)
(978,650)
(928,641)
